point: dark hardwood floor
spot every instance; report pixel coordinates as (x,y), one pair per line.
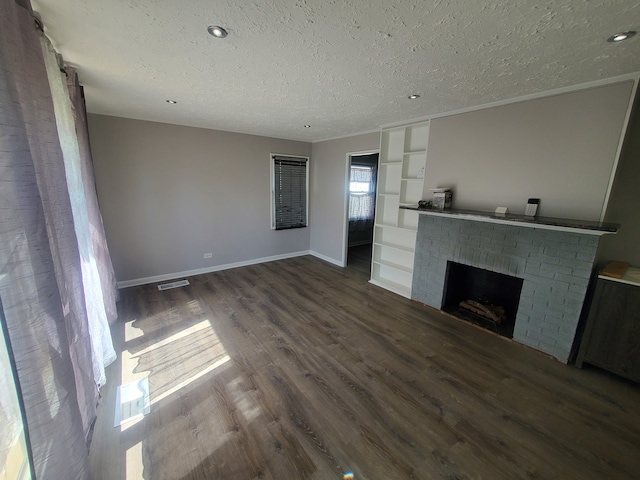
(359,259)
(300,369)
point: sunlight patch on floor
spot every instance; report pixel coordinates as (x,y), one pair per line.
(191,379)
(242,399)
(204,325)
(129,375)
(133,463)
(171,365)
(132,401)
(131,332)
(212,355)
(194,307)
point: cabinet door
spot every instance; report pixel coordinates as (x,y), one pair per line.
(613,337)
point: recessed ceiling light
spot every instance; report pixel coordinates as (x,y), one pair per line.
(413,97)
(307,126)
(217,31)
(618,37)
(172,102)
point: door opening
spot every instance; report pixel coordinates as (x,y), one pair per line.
(361,207)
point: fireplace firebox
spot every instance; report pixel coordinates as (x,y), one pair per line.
(485,298)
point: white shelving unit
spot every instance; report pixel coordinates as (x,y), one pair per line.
(403,158)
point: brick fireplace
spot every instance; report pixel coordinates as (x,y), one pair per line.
(554,265)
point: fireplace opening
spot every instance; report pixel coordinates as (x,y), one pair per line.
(487,299)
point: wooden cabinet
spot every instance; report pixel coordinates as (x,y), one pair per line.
(612,334)
(403,158)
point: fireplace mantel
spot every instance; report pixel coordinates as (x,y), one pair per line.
(547,223)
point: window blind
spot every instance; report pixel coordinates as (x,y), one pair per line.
(290,192)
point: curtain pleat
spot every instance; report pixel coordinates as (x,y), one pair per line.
(98,237)
(50,284)
(93,316)
(35,308)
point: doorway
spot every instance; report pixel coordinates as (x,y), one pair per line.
(361,207)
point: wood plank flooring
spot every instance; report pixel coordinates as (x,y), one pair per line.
(300,369)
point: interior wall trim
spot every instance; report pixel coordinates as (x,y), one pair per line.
(216,268)
(328,259)
(616,161)
(348,135)
(635,77)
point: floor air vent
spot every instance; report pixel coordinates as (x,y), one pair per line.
(179,283)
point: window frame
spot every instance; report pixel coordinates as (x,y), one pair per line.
(272,175)
(371,184)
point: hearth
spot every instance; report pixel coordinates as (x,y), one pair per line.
(485,298)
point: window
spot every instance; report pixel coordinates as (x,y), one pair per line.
(13,448)
(362,196)
(362,178)
(289,187)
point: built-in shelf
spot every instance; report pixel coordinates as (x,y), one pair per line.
(402,259)
(416,137)
(393,245)
(548,223)
(403,156)
(395,236)
(387,225)
(410,192)
(396,266)
(408,220)
(395,287)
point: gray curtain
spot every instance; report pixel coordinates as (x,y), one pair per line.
(56,281)
(98,238)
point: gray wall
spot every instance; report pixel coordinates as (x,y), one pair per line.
(329,192)
(560,149)
(624,203)
(168,194)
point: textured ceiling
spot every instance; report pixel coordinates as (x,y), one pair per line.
(342,67)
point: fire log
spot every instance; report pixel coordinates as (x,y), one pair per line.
(495,313)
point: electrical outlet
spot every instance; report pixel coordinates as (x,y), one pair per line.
(208,255)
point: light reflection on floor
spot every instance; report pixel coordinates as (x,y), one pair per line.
(209,354)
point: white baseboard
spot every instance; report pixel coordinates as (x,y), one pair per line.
(327,259)
(215,268)
(397,291)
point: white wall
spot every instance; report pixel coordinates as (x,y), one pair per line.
(560,149)
(168,194)
(329,192)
